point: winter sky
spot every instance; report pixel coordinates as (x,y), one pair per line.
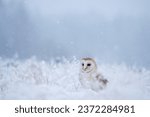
(114,31)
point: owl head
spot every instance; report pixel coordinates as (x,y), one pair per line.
(88,65)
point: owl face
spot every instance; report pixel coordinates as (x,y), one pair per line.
(88,65)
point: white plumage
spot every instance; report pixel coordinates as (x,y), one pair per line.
(89,76)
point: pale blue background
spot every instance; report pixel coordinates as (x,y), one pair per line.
(114,31)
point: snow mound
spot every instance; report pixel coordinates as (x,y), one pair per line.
(37,79)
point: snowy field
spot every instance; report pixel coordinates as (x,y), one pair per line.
(37,79)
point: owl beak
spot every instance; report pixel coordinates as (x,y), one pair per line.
(85,68)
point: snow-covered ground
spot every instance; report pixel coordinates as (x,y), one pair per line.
(37,79)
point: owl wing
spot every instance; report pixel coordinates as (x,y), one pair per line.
(101,79)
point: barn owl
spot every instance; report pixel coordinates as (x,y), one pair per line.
(89,76)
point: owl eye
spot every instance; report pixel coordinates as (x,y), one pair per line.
(82,64)
(89,64)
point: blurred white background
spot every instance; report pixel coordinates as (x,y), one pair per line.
(114,31)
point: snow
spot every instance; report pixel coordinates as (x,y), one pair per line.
(39,79)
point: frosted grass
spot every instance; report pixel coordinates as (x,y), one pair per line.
(38,79)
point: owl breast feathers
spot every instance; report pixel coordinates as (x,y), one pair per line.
(89,76)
